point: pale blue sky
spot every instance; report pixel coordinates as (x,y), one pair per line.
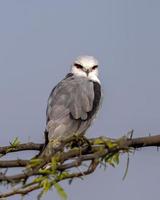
(38,42)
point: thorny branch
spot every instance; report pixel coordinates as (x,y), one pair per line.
(64,163)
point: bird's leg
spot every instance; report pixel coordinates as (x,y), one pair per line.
(85,140)
(76,142)
(44,145)
(80,140)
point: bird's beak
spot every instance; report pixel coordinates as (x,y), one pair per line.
(87,71)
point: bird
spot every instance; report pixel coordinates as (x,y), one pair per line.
(74,102)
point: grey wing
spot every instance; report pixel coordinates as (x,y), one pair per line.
(69,106)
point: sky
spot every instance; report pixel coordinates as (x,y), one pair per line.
(39,41)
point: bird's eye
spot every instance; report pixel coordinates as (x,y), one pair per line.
(95,67)
(78,66)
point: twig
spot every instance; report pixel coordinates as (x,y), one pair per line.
(21,147)
(21,191)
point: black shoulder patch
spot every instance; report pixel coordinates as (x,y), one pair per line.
(96,102)
(97,97)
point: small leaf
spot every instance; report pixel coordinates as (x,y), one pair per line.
(112,159)
(54,163)
(116,158)
(60,191)
(126,170)
(15,142)
(111,144)
(98,141)
(35,161)
(45,171)
(63,175)
(46,185)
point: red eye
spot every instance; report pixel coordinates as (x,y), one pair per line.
(95,67)
(78,66)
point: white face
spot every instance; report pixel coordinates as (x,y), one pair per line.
(86,66)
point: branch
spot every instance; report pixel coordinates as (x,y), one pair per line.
(21,191)
(140,142)
(93,151)
(21,147)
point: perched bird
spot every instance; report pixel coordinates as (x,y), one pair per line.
(74,101)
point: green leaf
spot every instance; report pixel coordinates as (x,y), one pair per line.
(46,171)
(116,158)
(35,162)
(126,170)
(46,185)
(63,175)
(15,142)
(54,164)
(112,159)
(111,144)
(60,191)
(98,141)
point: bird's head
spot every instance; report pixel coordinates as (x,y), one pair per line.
(86,66)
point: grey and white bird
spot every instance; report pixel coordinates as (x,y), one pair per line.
(74,101)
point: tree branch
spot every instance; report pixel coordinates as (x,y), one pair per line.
(21,147)
(21,191)
(95,151)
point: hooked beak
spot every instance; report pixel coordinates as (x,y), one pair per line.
(86,71)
